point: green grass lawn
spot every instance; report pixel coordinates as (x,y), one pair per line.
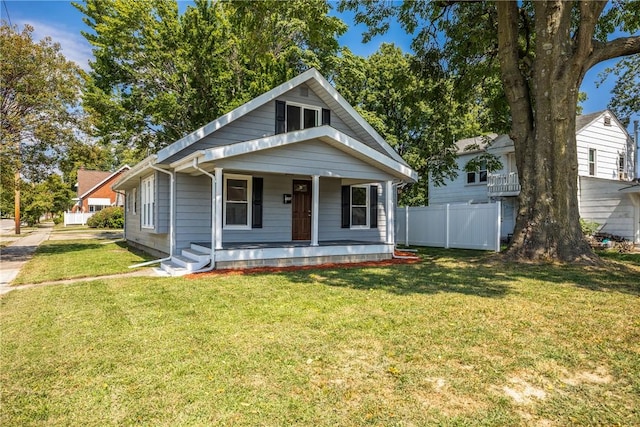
(57,260)
(458,339)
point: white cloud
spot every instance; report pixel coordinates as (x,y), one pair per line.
(73,45)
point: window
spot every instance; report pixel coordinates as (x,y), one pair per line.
(237,201)
(134,200)
(301,117)
(479,176)
(607,120)
(148,202)
(291,117)
(592,161)
(360,206)
(96,208)
(621,167)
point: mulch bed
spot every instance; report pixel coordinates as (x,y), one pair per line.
(262,270)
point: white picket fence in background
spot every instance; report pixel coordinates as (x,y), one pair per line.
(464,226)
(76,218)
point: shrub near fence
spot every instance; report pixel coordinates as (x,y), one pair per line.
(112,217)
(464,226)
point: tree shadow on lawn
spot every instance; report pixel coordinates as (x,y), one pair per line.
(472,273)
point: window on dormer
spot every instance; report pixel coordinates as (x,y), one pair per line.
(291,116)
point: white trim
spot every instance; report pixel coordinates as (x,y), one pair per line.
(301,252)
(137,170)
(249,180)
(315,209)
(390,212)
(218,209)
(274,93)
(148,202)
(367,207)
(99,201)
(101,183)
(326,133)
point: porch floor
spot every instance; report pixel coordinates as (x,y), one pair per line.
(290,244)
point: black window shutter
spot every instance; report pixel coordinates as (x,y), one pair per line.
(326,117)
(373,206)
(346,206)
(281,124)
(256,206)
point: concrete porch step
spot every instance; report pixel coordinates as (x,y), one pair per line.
(196,255)
(174,269)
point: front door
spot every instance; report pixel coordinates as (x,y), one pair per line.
(301,208)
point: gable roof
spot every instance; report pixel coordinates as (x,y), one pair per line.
(586,120)
(89,181)
(327,93)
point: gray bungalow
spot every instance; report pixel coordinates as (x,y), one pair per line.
(294,177)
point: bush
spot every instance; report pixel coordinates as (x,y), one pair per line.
(112,217)
(58,219)
(589,228)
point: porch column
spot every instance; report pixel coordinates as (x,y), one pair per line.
(315,210)
(390,207)
(218,210)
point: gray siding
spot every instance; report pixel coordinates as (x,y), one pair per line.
(162,198)
(330,218)
(260,123)
(276,216)
(193,210)
(307,158)
(145,237)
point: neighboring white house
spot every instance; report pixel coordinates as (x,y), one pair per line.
(295,176)
(607,193)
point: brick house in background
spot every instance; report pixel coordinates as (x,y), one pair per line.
(94,190)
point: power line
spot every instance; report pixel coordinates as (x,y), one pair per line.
(6,9)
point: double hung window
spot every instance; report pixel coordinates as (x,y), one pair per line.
(237,201)
(148,202)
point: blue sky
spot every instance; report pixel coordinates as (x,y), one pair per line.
(63,23)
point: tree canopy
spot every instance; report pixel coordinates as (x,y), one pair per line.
(158,75)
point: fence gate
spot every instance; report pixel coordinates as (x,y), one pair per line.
(463,226)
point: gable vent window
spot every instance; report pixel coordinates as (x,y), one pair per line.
(304,91)
(291,117)
(607,120)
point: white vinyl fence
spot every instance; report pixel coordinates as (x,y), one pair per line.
(464,226)
(76,218)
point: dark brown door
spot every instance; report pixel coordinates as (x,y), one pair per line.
(301,208)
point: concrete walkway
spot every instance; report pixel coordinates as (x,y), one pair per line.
(14,256)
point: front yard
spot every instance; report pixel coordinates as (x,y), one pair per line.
(454,340)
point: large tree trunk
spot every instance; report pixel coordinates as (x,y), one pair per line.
(543,96)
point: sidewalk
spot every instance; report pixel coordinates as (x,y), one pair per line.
(14,256)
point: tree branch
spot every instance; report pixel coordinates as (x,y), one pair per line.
(616,48)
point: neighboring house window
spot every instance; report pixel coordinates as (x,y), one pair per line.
(479,176)
(237,201)
(607,120)
(621,167)
(96,208)
(360,206)
(291,117)
(592,161)
(148,201)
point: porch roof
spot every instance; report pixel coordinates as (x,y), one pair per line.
(327,134)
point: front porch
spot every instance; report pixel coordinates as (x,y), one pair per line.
(277,254)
